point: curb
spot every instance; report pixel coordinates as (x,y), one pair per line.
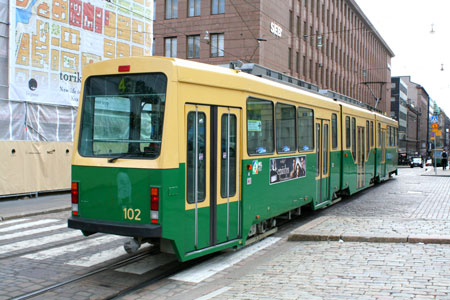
(394,238)
(4,218)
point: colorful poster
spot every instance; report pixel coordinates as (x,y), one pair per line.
(287,168)
(52,40)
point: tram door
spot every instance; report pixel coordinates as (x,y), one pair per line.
(360,154)
(212,175)
(323,161)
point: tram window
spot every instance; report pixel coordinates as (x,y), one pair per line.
(325,150)
(354,138)
(305,130)
(259,126)
(196,156)
(396,137)
(371,133)
(390,136)
(393,136)
(379,135)
(318,137)
(123,116)
(285,120)
(334,131)
(228,156)
(347,133)
(367,139)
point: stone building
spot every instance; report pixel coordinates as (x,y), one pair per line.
(399,111)
(419,99)
(330,43)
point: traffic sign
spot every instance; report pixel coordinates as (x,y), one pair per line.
(435,125)
(438,133)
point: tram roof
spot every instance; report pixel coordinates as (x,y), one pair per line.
(239,80)
(212,75)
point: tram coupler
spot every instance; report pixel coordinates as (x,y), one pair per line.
(132,245)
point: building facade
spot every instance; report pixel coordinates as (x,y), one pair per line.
(399,111)
(329,43)
(419,100)
(412,132)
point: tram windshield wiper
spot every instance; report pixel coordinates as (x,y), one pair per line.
(113,159)
(140,154)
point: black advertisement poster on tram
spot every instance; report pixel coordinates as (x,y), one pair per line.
(287,168)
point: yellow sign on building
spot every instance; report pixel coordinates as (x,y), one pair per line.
(51,41)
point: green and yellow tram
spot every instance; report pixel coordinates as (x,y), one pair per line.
(197,158)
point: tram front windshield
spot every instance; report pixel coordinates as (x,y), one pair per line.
(123,116)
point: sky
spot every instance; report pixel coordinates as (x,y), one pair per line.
(405,25)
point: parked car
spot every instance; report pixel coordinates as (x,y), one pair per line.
(429,162)
(416,162)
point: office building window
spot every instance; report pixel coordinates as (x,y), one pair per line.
(153,47)
(171,9)
(304,66)
(291,21)
(217,7)
(193,46)
(170,45)
(194,7)
(290,58)
(217,45)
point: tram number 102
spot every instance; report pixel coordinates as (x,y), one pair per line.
(132,214)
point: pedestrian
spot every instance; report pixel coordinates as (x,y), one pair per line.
(444,159)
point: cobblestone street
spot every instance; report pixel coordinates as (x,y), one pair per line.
(409,204)
(388,242)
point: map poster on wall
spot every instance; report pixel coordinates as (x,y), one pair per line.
(287,168)
(52,40)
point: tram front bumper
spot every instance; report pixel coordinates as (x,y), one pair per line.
(89,226)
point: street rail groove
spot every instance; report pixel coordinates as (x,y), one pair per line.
(114,265)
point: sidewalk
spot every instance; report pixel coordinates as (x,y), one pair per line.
(430,171)
(352,229)
(12,209)
(414,229)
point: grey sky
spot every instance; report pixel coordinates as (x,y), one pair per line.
(405,25)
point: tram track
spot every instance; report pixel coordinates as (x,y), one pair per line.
(175,267)
(123,262)
(164,271)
